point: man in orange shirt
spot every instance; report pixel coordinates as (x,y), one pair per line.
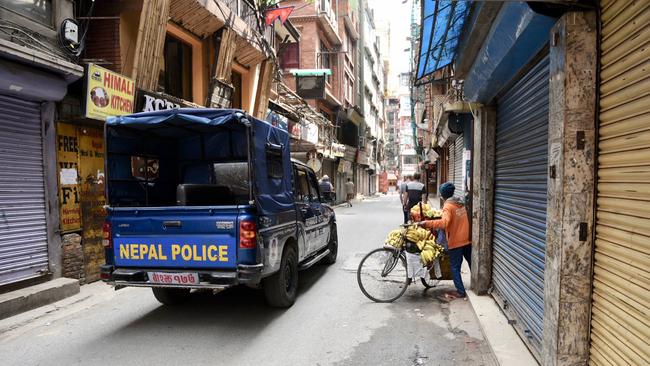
(456,225)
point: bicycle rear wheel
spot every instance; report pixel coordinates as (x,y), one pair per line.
(382,275)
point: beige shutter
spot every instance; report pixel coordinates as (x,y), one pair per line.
(620,326)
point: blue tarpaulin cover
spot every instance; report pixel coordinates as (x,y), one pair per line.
(273,190)
(440,31)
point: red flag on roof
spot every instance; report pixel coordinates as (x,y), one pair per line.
(271,15)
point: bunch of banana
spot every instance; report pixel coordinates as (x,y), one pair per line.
(430,252)
(395,238)
(416,234)
(428,212)
(415,210)
(424,243)
(434,212)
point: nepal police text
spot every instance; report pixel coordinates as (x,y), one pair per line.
(211,253)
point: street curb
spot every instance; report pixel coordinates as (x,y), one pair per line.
(32,297)
(504,342)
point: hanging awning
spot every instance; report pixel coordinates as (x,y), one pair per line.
(441,28)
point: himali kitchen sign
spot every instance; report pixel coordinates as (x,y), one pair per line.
(108,93)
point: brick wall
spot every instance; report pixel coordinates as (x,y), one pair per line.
(103,39)
(302,9)
(72,257)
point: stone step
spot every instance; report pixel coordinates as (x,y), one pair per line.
(28,298)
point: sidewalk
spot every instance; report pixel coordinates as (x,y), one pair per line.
(504,341)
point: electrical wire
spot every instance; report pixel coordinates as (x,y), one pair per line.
(29,39)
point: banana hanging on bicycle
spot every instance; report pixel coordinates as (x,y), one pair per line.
(423,238)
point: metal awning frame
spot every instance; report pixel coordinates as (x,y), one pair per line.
(439,52)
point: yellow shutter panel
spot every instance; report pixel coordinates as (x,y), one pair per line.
(620,325)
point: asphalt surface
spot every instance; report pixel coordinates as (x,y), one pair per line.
(331,323)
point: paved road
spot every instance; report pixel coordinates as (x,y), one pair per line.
(332,323)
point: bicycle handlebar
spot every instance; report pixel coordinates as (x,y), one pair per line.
(412,224)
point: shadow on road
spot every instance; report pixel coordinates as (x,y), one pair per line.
(239,308)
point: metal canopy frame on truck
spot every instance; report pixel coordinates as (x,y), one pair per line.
(272,188)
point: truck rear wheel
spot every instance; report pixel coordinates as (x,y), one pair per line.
(171,296)
(280,289)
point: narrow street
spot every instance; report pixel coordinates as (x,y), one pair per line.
(331,323)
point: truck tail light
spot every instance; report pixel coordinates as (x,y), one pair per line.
(107,239)
(247,234)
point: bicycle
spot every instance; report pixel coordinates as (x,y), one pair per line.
(388,267)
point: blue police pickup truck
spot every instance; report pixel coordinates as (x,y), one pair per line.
(209,199)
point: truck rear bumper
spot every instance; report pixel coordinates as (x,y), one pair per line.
(138,277)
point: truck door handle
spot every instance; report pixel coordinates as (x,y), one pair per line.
(173,223)
(304,211)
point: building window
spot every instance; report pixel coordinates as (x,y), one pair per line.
(290,58)
(351,47)
(325,61)
(324,57)
(237,92)
(348,86)
(40,11)
(176,70)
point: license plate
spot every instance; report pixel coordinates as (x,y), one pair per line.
(173,278)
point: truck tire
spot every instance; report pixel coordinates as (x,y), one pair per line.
(171,296)
(333,246)
(280,289)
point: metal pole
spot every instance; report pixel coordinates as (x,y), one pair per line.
(414,34)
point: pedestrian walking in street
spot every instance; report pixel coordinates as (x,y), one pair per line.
(326,188)
(455,223)
(404,197)
(414,194)
(349,190)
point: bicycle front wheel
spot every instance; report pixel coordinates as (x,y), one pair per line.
(382,275)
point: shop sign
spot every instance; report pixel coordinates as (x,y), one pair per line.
(362,157)
(310,133)
(107,93)
(80,158)
(345,167)
(151,102)
(338,150)
(350,153)
(68,168)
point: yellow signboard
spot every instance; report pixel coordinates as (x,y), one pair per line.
(108,93)
(68,174)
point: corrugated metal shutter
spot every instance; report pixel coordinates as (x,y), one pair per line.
(458,167)
(519,238)
(23,230)
(452,161)
(620,320)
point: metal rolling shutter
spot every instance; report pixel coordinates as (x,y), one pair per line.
(452,161)
(620,321)
(519,238)
(458,167)
(23,231)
